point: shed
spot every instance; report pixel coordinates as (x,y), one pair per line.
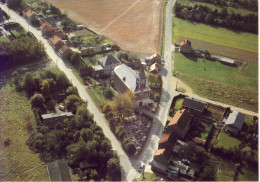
(59,171)
(194,105)
(234,122)
(86,164)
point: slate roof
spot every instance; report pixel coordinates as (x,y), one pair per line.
(59,171)
(181,118)
(236,119)
(109,60)
(193,104)
(126,74)
(53,115)
(97,68)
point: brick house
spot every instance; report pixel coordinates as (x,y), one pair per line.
(162,156)
(65,52)
(30,15)
(46,29)
(180,123)
(185,46)
(125,79)
(56,43)
(108,64)
(167,140)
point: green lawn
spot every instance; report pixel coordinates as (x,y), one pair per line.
(98,95)
(17,161)
(18,33)
(218,72)
(3,39)
(227,141)
(178,104)
(215,35)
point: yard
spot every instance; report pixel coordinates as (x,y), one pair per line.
(227,141)
(17,161)
(219,82)
(100,95)
(215,35)
(176,105)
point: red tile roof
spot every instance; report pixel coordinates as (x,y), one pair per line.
(55,39)
(185,42)
(159,152)
(165,137)
(176,117)
(28,12)
(46,24)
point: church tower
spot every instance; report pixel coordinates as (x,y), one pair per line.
(142,77)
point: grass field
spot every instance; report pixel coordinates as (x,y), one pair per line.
(17,162)
(227,141)
(215,71)
(3,39)
(220,82)
(215,35)
(213,7)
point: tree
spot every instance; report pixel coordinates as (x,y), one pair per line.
(16,80)
(72,91)
(71,102)
(75,59)
(37,101)
(123,104)
(62,81)
(106,145)
(209,18)
(93,174)
(107,107)
(45,87)
(113,168)
(224,13)
(29,84)
(208,174)
(152,78)
(130,148)
(86,134)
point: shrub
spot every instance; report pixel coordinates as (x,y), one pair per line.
(130,148)
(120,132)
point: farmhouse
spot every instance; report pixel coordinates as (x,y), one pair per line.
(59,171)
(125,79)
(52,119)
(193,105)
(108,64)
(56,43)
(162,156)
(234,122)
(167,141)
(30,15)
(154,68)
(185,46)
(180,123)
(155,58)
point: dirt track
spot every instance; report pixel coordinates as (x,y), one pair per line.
(132,24)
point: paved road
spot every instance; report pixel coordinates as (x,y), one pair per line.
(98,117)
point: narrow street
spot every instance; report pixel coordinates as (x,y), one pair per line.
(98,117)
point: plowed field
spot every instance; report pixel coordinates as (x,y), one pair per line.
(132,24)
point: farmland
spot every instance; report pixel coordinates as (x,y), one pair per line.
(130,24)
(17,161)
(214,35)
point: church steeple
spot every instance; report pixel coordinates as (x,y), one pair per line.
(142,77)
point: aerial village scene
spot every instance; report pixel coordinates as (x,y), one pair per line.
(136,90)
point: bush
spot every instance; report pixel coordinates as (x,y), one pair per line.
(130,148)
(37,101)
(120,132)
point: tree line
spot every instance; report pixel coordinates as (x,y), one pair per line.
(234,21)
(20,51)
(76,139)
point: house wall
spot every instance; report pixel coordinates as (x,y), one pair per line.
(186,48)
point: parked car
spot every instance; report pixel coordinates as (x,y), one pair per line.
(61,107)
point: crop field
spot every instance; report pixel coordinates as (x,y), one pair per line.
(134,24)
(214,35)
(17,161)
